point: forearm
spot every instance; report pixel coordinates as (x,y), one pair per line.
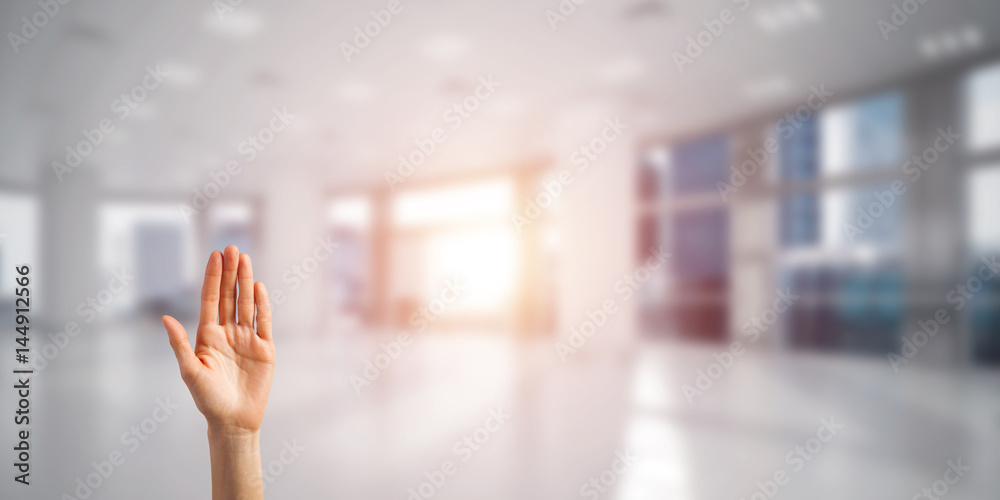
(236,469)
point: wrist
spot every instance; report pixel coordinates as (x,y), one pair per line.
(238,438)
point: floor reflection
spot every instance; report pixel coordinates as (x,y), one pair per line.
(569,423)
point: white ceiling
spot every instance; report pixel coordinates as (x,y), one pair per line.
(354,118)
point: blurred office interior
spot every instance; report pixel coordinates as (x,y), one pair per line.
(828,168)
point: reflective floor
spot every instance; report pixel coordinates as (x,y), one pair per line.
(513,421)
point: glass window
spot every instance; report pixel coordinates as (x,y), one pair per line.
(461,231)
(849,307)
(701,249)
(863,135)
(798,159)
(654,174)
(465,203)
(800,220)
(697,166)
(799,152)
(350,285)
(231,224)
(158,245)
(982,207)
(353,212)
(984,317)
(866,216)
(982,108)
(18,237)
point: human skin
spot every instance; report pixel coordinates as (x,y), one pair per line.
(229,370)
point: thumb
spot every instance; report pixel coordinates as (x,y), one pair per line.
(186,359)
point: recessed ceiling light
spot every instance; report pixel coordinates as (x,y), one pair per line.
(147,111)
(180,74)
(623,70)
(444,48)
(355,92)
(770,87)
(951,42)
(972,36)
(793,14)
(507,105)
(788,14)
(810,10)
(118,137)
(767,21)
(929,47)
(240,24)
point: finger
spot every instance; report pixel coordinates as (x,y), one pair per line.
(230,264)
(210,290)
(263,312)
(186,360)
(245,302)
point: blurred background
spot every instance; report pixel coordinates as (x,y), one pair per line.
(699,235)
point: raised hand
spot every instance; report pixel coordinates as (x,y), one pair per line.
(229,371)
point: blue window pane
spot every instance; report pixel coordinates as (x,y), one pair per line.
(799,161)
(868,215)
(799,151)
(810,323)
(982,108)
(865,134)
(985,322)
(845,308)
(880,130)
(870,309)
(700,242)
(698,165)
(800,220)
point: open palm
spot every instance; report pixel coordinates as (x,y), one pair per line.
(229,371)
